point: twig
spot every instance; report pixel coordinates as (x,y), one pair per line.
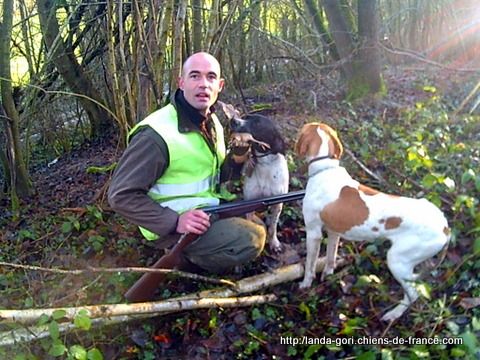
(421,58)
(419,186)
(377,177)
(91,269)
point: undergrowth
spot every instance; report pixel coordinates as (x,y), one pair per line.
(424,151)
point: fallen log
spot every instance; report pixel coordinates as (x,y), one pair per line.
(118,313)
(113,314)
(30,316)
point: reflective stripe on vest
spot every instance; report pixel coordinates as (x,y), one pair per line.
(180,204)
(185,189)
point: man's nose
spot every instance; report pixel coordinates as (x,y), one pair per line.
(203,82)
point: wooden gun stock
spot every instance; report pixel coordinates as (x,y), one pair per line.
(145,287)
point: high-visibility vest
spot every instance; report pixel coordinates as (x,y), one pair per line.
(193,176)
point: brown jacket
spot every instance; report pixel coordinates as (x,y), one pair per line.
(143,162)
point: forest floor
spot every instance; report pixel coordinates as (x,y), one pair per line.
(69,225)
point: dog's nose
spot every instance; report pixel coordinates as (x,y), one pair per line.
(235,124)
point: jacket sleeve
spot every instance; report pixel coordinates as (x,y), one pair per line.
(143,162)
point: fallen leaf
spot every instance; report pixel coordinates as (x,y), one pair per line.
(469,303)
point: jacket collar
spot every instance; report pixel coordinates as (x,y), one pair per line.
(189,119)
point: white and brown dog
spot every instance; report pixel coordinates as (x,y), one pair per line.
(344,208)
(266,172)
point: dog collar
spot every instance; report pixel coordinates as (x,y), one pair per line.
(322,169)
(262,154)
(318,159)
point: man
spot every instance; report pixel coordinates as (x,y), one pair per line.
(172,166)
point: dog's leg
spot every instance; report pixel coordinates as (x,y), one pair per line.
(332,247)
(403,256)
(401,267)
(273,241)
(314,239)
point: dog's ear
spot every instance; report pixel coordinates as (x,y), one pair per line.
(337,145)
(278,145)
(308,142)
(229,110)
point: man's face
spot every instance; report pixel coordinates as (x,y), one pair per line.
(201,82)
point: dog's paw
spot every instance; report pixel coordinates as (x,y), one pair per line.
(326,271)
(276,247)
(395,313)
(306,283)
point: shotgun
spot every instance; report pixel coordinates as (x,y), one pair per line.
(145,287)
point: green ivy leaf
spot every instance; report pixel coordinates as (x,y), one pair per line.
(369,355)
(470,341)
(43,319)
(468,176)
(58,314)
(476,246)
(312,349)
(305,309)
(78,352)
(94,354)
(82,320)
(53,330)
(66,227)
(256,314)
(429,181)
(424,290)
(57,349)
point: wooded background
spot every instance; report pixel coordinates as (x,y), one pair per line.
(399,80)
(83,68)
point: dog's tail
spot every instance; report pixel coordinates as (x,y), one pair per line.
(444,251)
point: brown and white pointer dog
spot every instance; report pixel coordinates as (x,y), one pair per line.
(343,207)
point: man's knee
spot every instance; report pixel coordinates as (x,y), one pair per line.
(228,243)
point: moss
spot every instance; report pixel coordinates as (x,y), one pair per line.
(359,87)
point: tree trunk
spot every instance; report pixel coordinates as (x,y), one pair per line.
(341,35)
(368,67)
(197,25)
(178,43)
(72,73)
(213,24)
(19,180)
(325,38)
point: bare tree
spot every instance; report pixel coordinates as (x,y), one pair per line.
(20,185)
(71,71)
(360,59)
(178,42)
(197,24)
(368,72)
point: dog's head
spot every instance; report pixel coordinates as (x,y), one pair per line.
(317,139)
(262,129)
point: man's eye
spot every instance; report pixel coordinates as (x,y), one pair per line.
(212,77)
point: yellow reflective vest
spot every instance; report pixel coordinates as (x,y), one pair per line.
(193,176)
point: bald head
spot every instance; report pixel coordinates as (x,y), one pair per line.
(199,58)
(201,81)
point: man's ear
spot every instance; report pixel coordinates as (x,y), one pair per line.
(180,82)
(221,84)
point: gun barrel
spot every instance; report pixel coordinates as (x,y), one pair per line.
(265,202)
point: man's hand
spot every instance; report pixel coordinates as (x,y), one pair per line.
(193,221)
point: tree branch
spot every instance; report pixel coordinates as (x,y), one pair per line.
(91,269)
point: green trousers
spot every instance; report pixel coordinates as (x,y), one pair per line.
(227,243)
